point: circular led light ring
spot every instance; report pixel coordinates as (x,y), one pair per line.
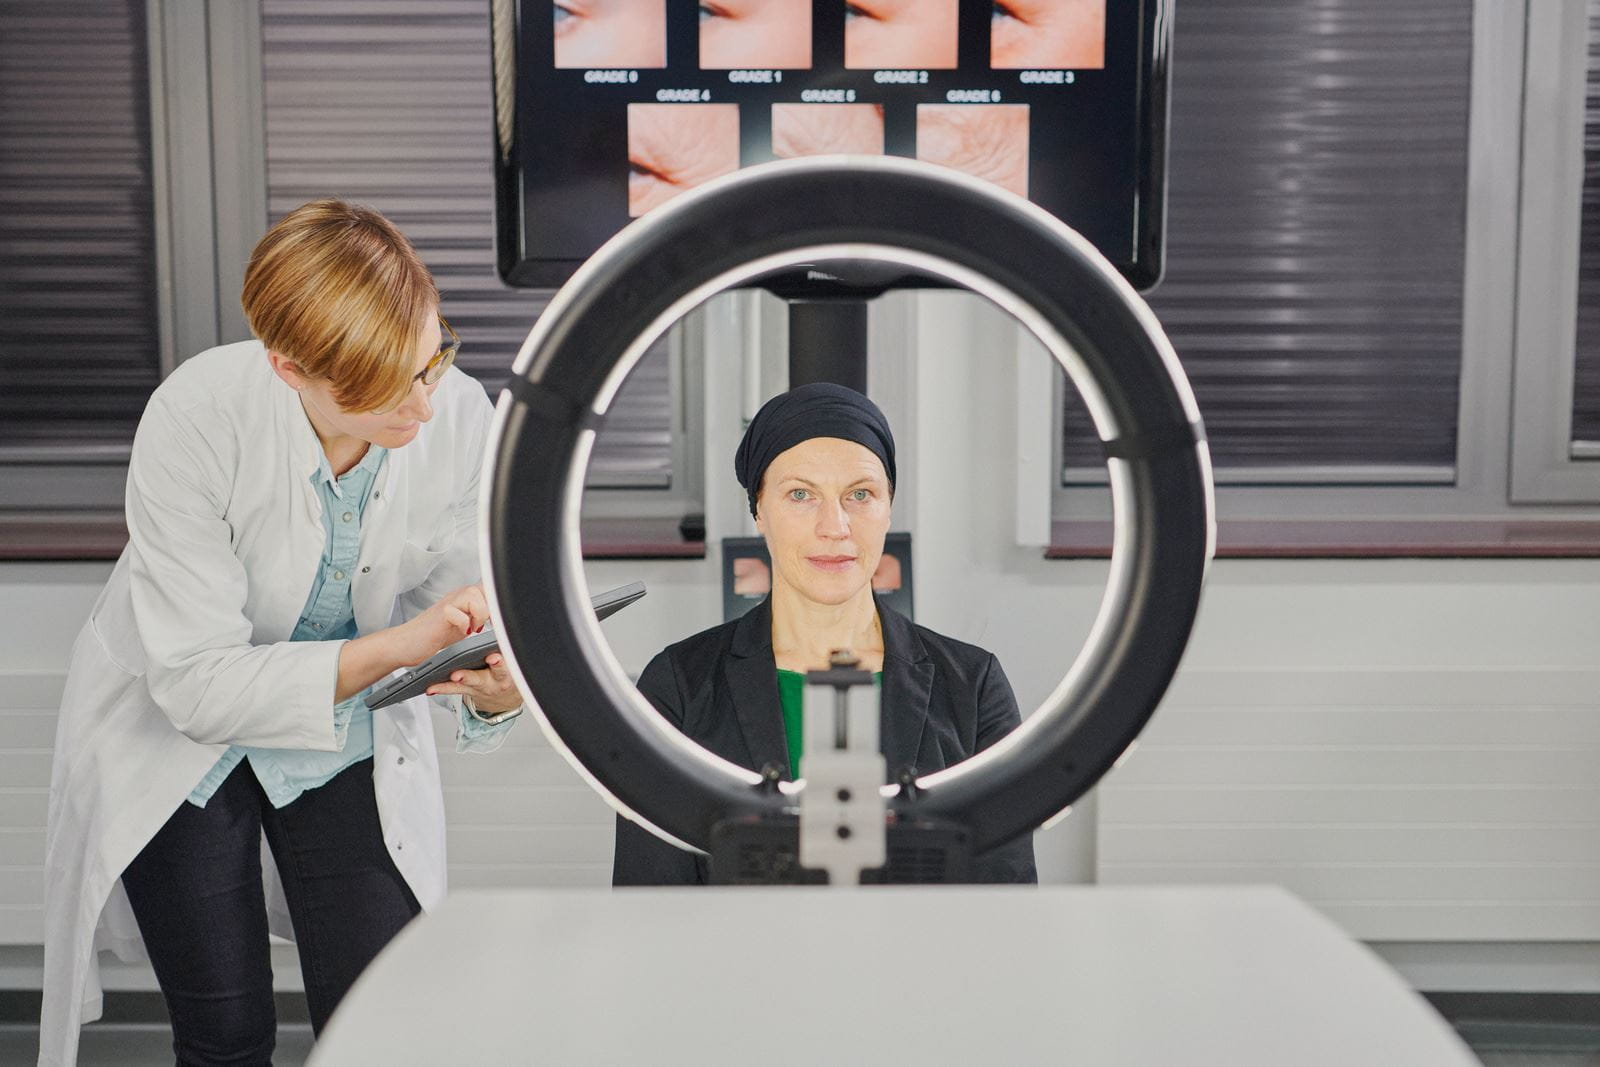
(789,215)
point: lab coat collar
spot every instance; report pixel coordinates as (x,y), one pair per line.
(305,451)
(307,460)
(370,462)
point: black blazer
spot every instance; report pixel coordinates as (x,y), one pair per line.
(943,701)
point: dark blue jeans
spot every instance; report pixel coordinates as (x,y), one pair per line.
(196,891)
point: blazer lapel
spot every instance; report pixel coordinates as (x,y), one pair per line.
(907,687)
(753,687)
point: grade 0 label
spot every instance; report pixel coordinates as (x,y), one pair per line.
(614,77)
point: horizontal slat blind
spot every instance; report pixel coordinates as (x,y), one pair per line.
(1586,381)
(389,103)
(1317,198)
(79,353)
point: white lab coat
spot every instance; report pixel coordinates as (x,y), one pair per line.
(187,649)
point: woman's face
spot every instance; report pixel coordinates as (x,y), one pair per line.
(611,33)
(824,510)
(389,429)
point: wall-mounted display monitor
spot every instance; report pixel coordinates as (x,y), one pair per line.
(609,108)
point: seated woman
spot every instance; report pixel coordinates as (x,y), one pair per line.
(818,466)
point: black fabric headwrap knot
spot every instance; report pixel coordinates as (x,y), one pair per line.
(819,410)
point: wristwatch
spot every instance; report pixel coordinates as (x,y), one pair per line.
(493,719)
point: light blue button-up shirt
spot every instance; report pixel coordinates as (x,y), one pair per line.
(329,615)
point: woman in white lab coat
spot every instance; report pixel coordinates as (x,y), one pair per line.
(302,514)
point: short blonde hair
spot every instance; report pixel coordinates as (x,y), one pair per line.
(339,290)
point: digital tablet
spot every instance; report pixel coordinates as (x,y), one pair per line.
(469,653)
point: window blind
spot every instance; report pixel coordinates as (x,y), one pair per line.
(1586,372)
(79,347)
(1317,198)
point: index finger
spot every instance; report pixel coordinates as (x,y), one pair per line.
(470,599)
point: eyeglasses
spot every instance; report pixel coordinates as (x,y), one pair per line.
(449,345)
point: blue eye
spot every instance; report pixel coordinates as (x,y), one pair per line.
(709,12)
(562,14)
(860,495)
(1001,11)
(851,11)
(797,495)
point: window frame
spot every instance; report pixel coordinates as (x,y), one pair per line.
(1548,467)
(1401,512)
(208,202)
(209,195)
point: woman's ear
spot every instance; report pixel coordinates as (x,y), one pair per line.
(285,368)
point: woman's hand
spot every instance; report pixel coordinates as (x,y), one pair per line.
(492,689)
(366,659)
(455,616)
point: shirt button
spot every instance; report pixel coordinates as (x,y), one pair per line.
(338,576)
(401,761)
(398,847)
(366,570)
(347,516)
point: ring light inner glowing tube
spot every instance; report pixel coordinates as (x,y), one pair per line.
(930,221)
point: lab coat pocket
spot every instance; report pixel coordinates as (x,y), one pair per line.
(116,629)
(418,562)
(100,688)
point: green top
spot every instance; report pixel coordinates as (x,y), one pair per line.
(792,695)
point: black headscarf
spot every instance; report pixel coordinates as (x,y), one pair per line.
(819,410)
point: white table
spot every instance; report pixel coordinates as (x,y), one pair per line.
(995,977)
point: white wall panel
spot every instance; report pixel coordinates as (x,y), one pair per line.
(1407,803)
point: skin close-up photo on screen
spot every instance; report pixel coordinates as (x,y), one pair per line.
(825,129)
(610,33)
(674,147)
(883,34)
(1048,35)
(769,34)
(988,141)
